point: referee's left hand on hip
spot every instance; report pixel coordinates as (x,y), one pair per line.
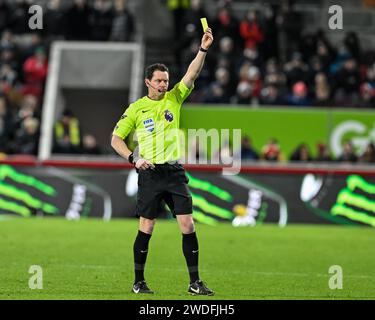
(143,164)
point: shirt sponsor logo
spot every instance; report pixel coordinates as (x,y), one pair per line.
(168,115)
(149,125)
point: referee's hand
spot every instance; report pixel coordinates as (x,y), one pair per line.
(143,164)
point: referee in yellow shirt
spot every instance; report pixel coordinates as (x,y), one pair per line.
(156,119)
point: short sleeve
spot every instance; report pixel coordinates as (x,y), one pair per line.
(126,124)
(181,91)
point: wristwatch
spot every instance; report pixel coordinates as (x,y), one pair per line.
(131,158)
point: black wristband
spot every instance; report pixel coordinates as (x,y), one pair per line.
(203,50)
(131,158)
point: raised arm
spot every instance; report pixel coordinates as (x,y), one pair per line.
(196,65)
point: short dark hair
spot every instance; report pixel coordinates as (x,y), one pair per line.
(155,67)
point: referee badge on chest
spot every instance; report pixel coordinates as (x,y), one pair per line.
(168,115)
(149,124)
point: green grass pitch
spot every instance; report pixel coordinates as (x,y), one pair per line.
(92,259)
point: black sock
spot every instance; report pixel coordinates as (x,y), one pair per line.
(190,249)
(140,250)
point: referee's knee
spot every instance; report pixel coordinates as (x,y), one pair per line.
(186,223)
(146,225)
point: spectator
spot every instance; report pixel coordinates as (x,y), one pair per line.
(368,156)
(367,96)
(27,138)
(298,97)
(8,57)
(348,154)
(67,134)
(339,60)
(270,96)
(243,93)
(250,30)
(35,69)
(29,108)
(243,73)
(90,145)
(348,77)
(315,68)
(273,76)
(301,153)
(247,151)
(77,21)
(322,91)
(123,23)
(347,83)
(8,76)
(271,151)
(325,53)
(226,25)
(323,153)
(248,89)
(100,20)
(226,55)
(7,40)
(219,90)
(252,56)
(296,70)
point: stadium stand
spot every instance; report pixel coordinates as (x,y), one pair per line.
(250,65)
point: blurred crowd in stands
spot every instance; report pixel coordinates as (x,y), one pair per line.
(263,59)
(267,59)
(272,151)
(24,66)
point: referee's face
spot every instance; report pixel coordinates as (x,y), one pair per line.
(158,85)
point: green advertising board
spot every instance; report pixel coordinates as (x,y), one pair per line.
(290,126)
(359,127)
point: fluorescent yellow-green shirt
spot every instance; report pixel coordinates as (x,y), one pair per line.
(156,124)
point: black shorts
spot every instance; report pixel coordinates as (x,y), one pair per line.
(166,182)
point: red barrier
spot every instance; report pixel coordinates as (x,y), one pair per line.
(259,167)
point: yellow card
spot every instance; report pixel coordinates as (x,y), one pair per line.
(204,24)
